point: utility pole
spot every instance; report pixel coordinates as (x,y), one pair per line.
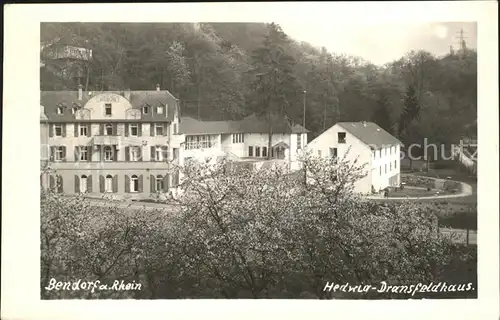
(462,44)
(304,115)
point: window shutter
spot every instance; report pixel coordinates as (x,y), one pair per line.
(152,183)
(152,129)
(114,129)
(77,184)
(101,129)
(90,150)
(126,129)
(127,183)
(59,184)
(102,153)
(140,183)
(52,183)
(76,129)
(166,183)
(165,129)
(89,127)
(101,184)
(51,130)
(52,153)
(127,153)
(115,184)
(89,183)
(139,128)
(64,153)
(77,153)
(140,153)
(153,158)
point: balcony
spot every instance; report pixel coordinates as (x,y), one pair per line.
(116,140)
(109,165)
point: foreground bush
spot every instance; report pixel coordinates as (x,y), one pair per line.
(244,234)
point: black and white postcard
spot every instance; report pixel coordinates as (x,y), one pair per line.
(207,159)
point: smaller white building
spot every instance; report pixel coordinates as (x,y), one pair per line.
(374,147)
(242,140)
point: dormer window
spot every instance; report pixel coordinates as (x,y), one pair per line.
(145,109)
(59,110)
(73,110)
(107,108)
(159,110)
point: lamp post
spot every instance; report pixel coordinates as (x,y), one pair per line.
(304,115)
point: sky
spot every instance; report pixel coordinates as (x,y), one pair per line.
(382,43)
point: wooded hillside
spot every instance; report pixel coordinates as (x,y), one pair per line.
(228,70)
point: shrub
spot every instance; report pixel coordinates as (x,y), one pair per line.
(245,235)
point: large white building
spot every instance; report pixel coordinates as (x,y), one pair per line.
(130,142)
(374,147)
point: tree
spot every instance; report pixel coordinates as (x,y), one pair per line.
(274,81)
(407,124)
(381,115)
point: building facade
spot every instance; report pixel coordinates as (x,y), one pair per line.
(371,145)
(108,142)
(131,142)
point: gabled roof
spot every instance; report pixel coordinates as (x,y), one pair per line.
(52,99)
(370,133)
(250,124)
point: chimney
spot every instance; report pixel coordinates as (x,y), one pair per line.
(126,94)
(157,87)
(80,92)
(364,123)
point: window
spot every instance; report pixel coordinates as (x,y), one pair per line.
(58,130)
(59,153)
(238,138)
(374,153)
(159,183)
(380,153)
(257,151)
(73,110)
(59,110)
(134,184)
(84,153)
(333,152)
(145,109)
(135,153)
(264,151)
(395,166)
(250,151)
(158,129)
(299,142)
(108,129)
(161,154)
(319,153)
(108,183)
(134,130)
(380,170)
(159,110)
(107,109)
(108,153)
(385,168)
(390,166)
(341,137)
(83,130)
(83,183)
(199,142)
(175,128)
